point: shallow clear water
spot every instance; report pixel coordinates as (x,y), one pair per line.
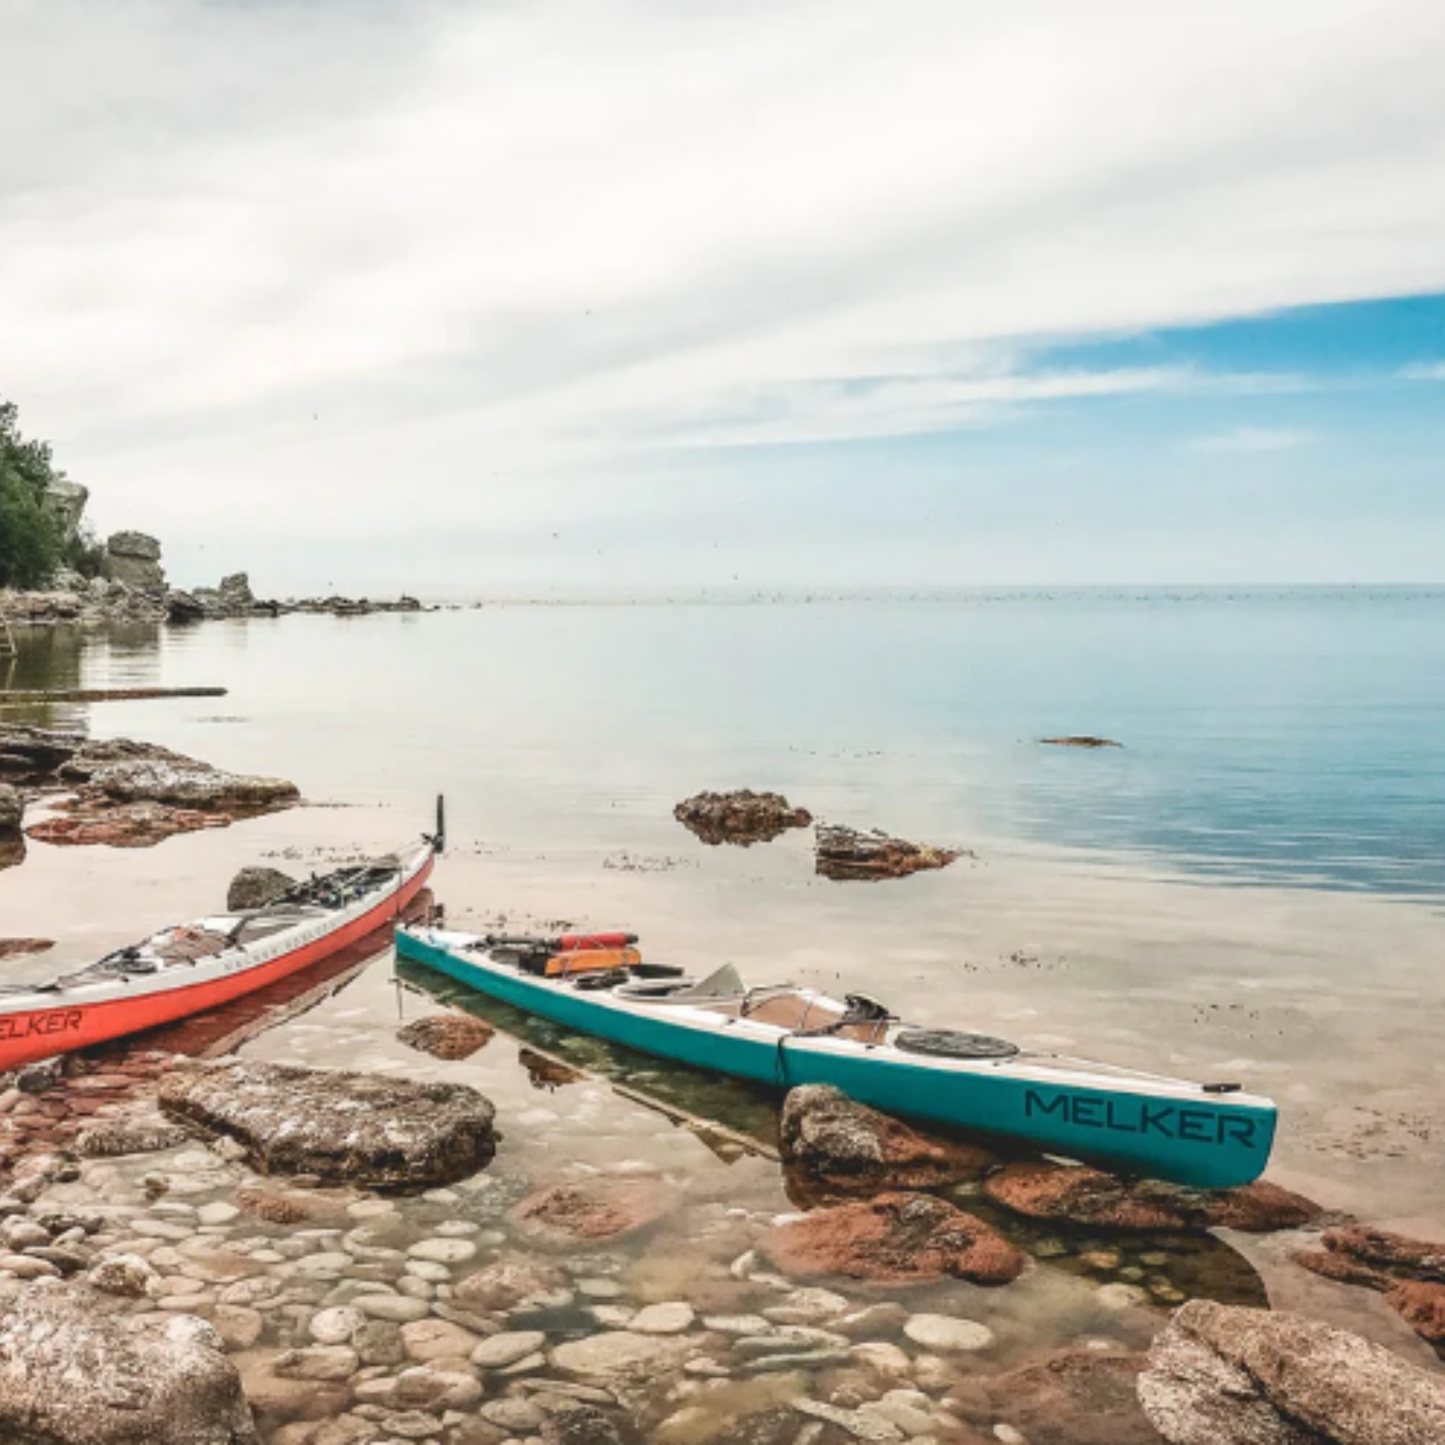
(1248,888)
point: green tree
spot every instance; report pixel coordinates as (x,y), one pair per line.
(31,543)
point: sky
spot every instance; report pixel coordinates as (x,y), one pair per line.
(475,296)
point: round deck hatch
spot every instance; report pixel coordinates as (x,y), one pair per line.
(951,1044)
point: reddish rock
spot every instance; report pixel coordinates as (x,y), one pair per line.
(1079,1397)
(281,1206)
(1410,1273)
(830,1144)
(845,854)
(897,1238)
(127,825)
(129,794)
(546,1073)
(23,947)
(1421,1304)
(1396,1253)
(742,817)
(1104,1201)
(446,1036)
(504,1284)
(601,1208)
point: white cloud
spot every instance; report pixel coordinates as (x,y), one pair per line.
(1253,439)
(1428,371)
(268,255)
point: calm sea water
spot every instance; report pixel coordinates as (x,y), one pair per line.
(1289,737)
(1248,888)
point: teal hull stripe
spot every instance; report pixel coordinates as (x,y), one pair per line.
(1193,1140)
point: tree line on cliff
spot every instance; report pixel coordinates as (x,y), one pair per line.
(33,538)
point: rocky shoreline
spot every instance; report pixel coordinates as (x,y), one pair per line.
(106,601)
(117,792)
(221,1290)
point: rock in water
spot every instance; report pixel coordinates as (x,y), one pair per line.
(846,854)
(1076,1397)
(12,809)
(1410,1272)
(236,599)
(1221,1375)
(899,1238)
(848,1148)
(600,1208)
(446,1036)
(256,887)
(1080,740)
(190,785)
(134,559)
(742,816)
(1103,1201)
(73,1372)
(183,607)
(342,1127)
(24,947)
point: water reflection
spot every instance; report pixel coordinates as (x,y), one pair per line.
(547,1073)
(48,658)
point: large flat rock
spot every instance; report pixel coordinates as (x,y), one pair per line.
(1220,1375)
(75,1372)
(381,1133)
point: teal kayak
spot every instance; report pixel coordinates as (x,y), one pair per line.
(1210,1136)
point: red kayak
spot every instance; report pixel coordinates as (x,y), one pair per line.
(197,966)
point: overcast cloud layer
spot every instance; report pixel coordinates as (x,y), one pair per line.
(464,295)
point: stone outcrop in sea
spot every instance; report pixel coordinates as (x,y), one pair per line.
(12,810)
(337,1126)
(1093,1198)
(742,816)
(1410,1273)
(450,1036)
(850,854)
(74,1371)
(134,560)
(1220,1375)
(128,794)
(832,1145)
(256,887)
(898,1238)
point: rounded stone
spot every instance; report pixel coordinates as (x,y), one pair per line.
(443,1251)
(379,1342)
(618,1353)
(506,1349)
(398,1308)
(518,1416)
(430,1339)
(1121,1296)
(944,1332)
(671,1318)
(335,1326)
(325,1263)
